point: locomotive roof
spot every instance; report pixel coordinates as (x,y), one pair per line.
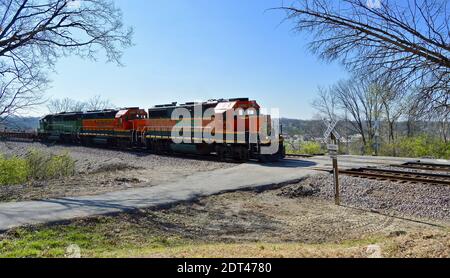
(101,111)
(89,114)
(63,114)
(190,104)
(80,114)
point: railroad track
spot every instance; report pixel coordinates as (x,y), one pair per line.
(18,136)
(396,175)
(299,155)
(425,166)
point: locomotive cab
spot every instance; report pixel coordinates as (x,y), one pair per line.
(246,131)
(125,118)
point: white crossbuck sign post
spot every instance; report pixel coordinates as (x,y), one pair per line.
(331,130)
(333,150)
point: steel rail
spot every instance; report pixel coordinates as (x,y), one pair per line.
(424,166)
(405,176)
(421,168)
(428,164)
(300,155)
(422,174)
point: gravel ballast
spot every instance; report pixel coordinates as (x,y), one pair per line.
(394,198)
(94,160)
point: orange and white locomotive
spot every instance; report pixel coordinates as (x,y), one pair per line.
(231,128)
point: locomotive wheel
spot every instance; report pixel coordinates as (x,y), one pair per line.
(157,147)
(240,153)
(86,141)
(221,150)
(148,145)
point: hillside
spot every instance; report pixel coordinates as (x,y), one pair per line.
(20,123)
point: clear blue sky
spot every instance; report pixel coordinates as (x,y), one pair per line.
(189,50)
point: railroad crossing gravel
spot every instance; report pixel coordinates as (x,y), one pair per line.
(395,198)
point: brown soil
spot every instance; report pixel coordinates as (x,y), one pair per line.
(269,217)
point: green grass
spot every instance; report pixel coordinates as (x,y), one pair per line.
(44,243)
(94,241)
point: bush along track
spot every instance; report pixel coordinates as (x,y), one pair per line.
(36,165)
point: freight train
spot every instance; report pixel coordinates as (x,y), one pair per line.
(228,128)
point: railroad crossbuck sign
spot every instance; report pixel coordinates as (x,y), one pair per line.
(331,130)
(333,151)
(332,147)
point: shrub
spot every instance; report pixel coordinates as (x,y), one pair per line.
(13,171)
(306,147)
(37,165)
(43,166)
(310,148)
(61,166)
(37,162)
(290,148)
(420,146)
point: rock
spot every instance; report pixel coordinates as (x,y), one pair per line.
(128,180)
(397,233)
(429,236)
(38,184)
(299,191)
(73,251)
(374,251)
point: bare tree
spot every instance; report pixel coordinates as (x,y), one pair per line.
(72,105)
(442,120)
(392,104)
(35,33)
(326,103)
(98,103)
(349,100)
(65,105)
(362,101)
(404,41)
